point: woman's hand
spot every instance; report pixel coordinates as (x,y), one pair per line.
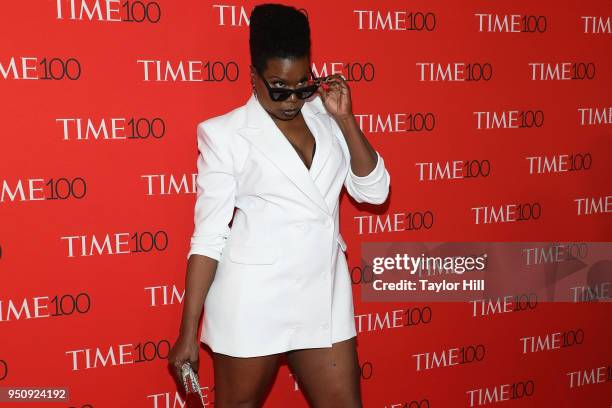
(185,349)
(337,97)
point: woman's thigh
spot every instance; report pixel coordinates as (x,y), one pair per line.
(328,376)
(242,382)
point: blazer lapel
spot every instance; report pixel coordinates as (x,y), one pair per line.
(321,128)
(263,134)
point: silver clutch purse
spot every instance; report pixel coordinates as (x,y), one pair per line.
(192,386)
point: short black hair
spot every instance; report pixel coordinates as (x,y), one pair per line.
(279,31)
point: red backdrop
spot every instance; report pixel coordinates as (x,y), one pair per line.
(100,101)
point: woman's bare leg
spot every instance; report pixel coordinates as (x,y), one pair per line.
(242,382)
(328,376)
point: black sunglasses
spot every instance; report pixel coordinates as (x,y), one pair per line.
(281,94)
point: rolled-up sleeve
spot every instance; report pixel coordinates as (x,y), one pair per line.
(372,188)
(215,196)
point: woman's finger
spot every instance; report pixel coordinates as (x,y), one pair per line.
(323,92)
(336,78)
(195,365)
(177,375)
(333,81)
(336,82)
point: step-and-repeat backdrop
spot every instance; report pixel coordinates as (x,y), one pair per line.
(494,119)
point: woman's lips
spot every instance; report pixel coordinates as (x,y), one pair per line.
(290,111)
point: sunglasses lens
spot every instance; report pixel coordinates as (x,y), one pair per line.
(307,92)
(279,95)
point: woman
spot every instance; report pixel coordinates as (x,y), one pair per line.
(277,281)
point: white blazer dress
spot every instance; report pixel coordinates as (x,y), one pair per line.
(282,279)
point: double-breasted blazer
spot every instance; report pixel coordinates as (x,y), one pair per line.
(282,280)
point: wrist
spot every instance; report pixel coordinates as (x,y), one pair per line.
(189,332)
(345,121)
